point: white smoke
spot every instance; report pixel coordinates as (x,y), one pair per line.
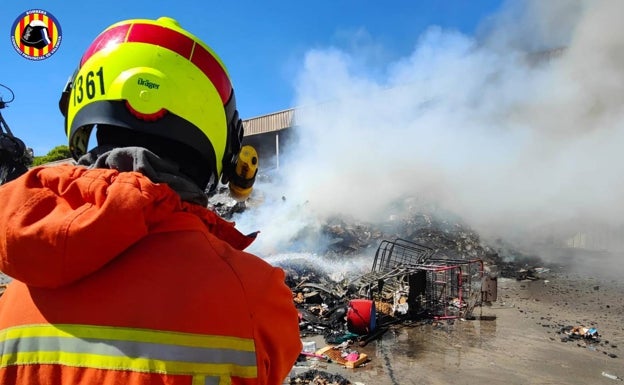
(517,129)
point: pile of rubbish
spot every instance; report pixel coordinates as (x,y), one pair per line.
(318,377)
(408,284)
(427,267)
(579,332)
(444,233)
(530,273)
(588,335)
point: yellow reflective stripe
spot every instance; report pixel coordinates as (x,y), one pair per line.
(129,349)
(143,365)
(128,334)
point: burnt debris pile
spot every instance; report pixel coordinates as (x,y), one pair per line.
(425,264)
(445,233)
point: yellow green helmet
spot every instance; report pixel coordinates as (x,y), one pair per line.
(153,81)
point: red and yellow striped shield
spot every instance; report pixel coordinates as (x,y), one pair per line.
(36,34)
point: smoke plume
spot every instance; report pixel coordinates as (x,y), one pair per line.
(517,129)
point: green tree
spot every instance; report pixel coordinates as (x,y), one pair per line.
(57,153)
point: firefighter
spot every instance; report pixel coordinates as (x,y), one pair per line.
(120,274)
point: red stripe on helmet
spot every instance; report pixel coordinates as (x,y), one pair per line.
(169,39)
(163,37)
(211,67)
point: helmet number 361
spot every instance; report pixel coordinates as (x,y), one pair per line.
(90,86)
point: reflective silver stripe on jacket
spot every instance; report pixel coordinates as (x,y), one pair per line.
(129,349)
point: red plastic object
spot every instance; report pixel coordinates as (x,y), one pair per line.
(361,316)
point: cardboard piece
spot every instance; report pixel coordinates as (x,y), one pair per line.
(336,356)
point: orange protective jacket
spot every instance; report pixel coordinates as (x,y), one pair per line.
(117,281)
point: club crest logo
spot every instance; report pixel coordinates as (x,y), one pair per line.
(36,34)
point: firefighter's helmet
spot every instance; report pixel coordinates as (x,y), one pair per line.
(152,81)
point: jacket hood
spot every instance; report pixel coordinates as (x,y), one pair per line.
(62,223)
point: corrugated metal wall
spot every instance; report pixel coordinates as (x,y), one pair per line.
(269,123)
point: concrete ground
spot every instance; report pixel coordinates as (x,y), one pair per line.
(516,340)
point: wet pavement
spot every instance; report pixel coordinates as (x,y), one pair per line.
(510,342)
(402,350)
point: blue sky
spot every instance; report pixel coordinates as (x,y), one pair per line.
(263,44)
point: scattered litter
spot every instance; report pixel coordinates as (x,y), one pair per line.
(578,332)
(344,356)
(612,376)
(317,377)
(315,355)
(309,346)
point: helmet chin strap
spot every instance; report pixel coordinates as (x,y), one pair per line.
(234,139)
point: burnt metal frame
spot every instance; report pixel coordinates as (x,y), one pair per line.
(452,286)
